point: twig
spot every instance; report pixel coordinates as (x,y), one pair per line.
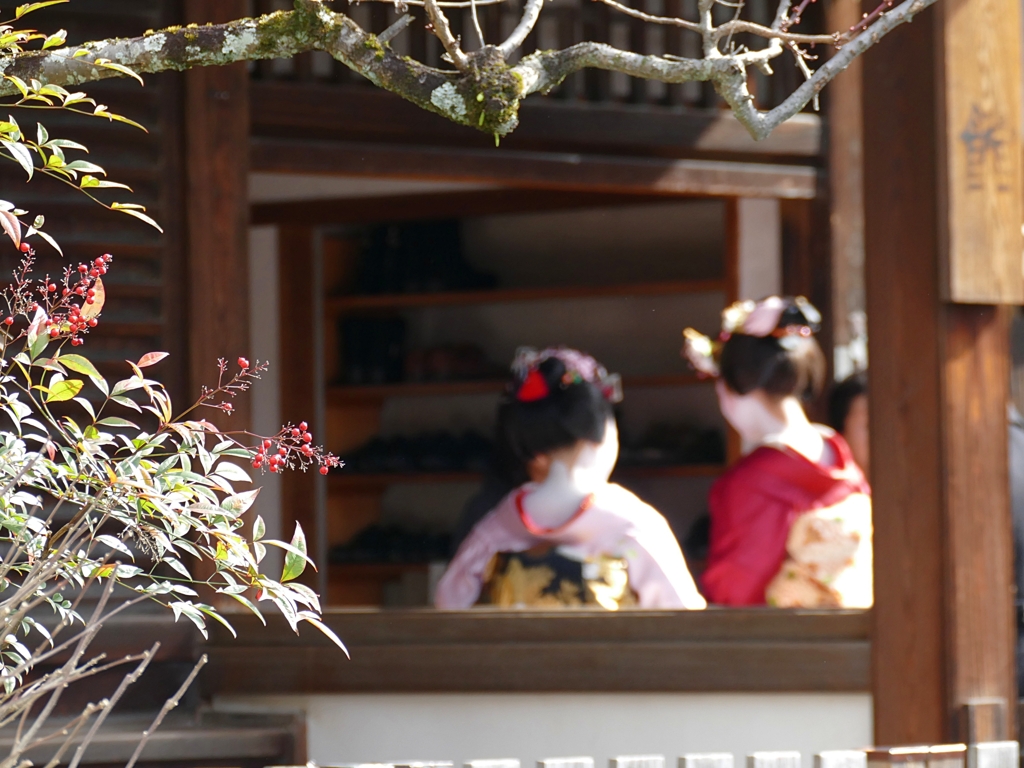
(440,4)
(111,702)
(393,31)
(80,721)
(476,23)
(443,32)
(170,704)
(526,24)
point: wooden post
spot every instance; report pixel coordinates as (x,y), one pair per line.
(943,617)
(298,381)
(217,166)
(846,189)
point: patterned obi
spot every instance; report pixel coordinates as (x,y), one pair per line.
(549,577)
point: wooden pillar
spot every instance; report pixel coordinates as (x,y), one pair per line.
(943,253)
(217,163)
(846,190)
(296,286)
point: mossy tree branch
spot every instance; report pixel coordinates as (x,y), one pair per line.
(484,91)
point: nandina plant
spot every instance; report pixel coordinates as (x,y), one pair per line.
(109,498)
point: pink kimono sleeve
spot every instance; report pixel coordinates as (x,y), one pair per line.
(459,587)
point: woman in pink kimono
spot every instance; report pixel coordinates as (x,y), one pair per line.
(573,539)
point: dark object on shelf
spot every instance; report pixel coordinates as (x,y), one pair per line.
(453,362)
(377,544)
(373,350)
(667,444)
(431,452)
(418,257)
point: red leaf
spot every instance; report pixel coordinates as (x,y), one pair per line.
(152,358)
(11,226)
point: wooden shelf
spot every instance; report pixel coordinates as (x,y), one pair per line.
(383,571)
(339,304)
(347,395)
(343,481)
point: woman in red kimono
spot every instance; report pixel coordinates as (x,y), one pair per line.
(790,521)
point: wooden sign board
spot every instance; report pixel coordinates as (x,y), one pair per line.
(980,148)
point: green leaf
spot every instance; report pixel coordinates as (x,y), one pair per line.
(138,215)
(259,528)
(116,421)
(294,564)
(51,241)
(21,154)
(107,64)
(64,390)
(29,7)
(79,364)
(56,39)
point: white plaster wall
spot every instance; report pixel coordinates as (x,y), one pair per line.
(460,727)
(760,248)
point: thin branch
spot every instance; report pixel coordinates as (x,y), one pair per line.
(476,23)
(669,20)
(170,704)
(761,125)
(443,32)
(526,24)
(110,703)
(737,26)
(79,722)
(440,4)
(395,29)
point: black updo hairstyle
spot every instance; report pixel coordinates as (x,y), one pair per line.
(785,364)
(574,411)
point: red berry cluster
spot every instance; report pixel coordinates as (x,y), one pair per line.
(294,450)
(64,316)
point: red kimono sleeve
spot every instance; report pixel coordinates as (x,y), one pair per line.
(749,528)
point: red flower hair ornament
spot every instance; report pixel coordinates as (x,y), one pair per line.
(530,385)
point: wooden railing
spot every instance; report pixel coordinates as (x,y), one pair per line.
(999,754)
(562,23)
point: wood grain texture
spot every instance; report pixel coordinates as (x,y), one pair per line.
(541,170)
(437,205)
(217,137)
(939,375)
(846,180)
(754,650)
(981,627)
(901,274)
(358,113)
(807,271)
(981,179)
(297,316)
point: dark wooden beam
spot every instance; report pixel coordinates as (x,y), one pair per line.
(541,170)
(481,651)
(362,113)
(943,621)
(365,210)
(217,137)
(297,318)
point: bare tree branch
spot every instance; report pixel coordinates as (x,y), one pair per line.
(170,704)
(444,33)
(485,92)
(531,12)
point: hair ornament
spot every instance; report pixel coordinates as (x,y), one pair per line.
(533,388)
(530,385)
(782,318)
